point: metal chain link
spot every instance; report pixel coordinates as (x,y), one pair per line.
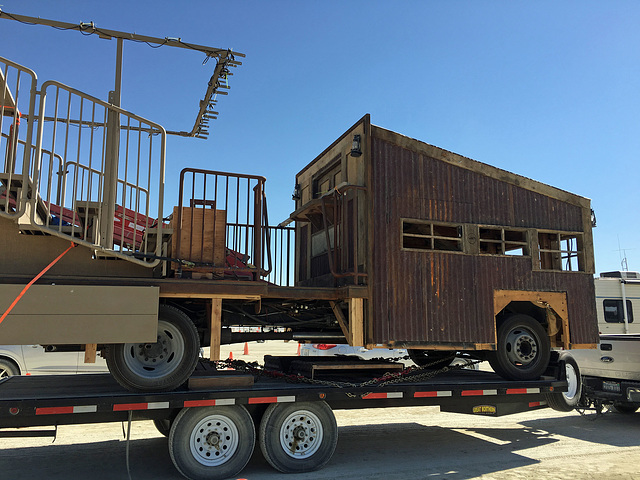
(409,374)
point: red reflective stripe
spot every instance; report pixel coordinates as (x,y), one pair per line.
(534,404)
(263,400)
(130,406)
(53,410)
(472,393)
(425,394)
(515,391)
(199,403)
(374,396)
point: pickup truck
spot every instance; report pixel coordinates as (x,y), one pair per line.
(610,374)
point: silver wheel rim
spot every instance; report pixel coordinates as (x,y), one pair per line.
(156,360)
(4,373)
(214,440)
(521,346)
(572,382)
(301,434)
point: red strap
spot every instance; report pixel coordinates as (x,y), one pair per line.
(24,290)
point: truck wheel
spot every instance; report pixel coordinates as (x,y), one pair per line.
(210,443)
(523,349)
(160,366)
(567,401)
(625,408)
(298,437)
(426,357)
(163,426)
(8,369)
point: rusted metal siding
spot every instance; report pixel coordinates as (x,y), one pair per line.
(430,296)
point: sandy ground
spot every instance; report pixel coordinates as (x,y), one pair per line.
(391,443)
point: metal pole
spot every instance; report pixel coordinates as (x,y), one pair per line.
(112,157)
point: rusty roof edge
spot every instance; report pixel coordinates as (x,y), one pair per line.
(476,166)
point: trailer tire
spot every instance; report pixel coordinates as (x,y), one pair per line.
(625,408)
(523,349)
(160,366)
(163,426)
(569,400)
(210,443)
(8,368)
(298,437)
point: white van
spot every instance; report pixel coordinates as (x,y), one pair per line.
(34,360)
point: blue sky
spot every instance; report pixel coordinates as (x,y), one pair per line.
(549,90)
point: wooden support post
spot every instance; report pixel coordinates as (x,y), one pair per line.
(216,327)
(356,322)
(337,311)
(90,350)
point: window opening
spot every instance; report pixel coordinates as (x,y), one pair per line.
(431,236)
(614,313)
(561,251)
(503,241)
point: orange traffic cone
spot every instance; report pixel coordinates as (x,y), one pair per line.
(298,349)
(230,355)
(246,348)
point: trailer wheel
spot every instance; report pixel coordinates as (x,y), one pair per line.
(567,401)
(163,426)
(523,349)
(625,408)
(160,366)
(8,369)
(298,437)
(426,357)
(212,442)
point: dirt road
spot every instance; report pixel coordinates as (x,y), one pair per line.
(392,443)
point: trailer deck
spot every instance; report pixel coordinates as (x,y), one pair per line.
(60,399)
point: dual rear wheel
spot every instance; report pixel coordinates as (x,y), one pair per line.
(217,442)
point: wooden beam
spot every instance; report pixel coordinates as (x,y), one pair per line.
(90,350)
(356,322)
(216,326)
(226,296)
(341,320)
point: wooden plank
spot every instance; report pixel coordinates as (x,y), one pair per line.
(220,381)
(90,350)
(202,235)
(337,311)
(216,326)
(222,296)
(356,321)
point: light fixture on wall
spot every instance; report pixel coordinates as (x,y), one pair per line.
(296,192)
(356,150)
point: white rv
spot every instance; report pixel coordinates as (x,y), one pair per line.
(610,374)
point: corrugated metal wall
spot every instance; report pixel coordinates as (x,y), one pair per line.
(448,297)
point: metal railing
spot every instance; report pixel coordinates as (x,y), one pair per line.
(80,168)
(18,86)
(340,219)
(221,226)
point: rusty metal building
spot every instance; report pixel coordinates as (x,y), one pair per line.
(444,244)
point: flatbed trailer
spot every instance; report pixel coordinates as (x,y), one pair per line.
(212,431)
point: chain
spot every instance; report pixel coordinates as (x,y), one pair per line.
(409,374)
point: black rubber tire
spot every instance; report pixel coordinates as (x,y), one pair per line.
(198,450)
(174,365)
(8,368)
(163,426)
(519,337)
(569,400)
(317,426)
(625,408)
(426,357)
